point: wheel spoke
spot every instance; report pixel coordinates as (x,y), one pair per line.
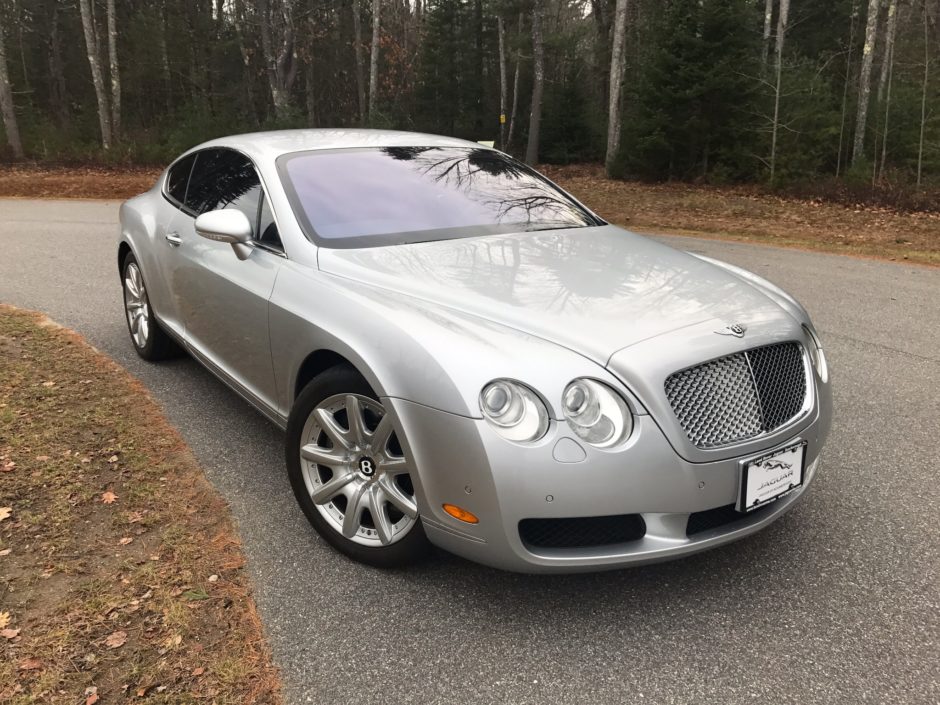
(322,456)
(376,504)
(357,425)
(354,507)
(394,494)
(336,433)
(131,287)
(143,328)
(329,489)
(381,434)
(395,465)
(135,322)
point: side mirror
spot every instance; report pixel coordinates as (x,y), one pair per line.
(231,226)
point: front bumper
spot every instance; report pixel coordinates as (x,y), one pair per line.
(462,461)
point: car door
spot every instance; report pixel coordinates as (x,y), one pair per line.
(223,300)
(162,251)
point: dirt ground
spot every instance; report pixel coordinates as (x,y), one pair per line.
(727,213)
(121,577)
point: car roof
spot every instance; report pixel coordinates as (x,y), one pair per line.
(272,144)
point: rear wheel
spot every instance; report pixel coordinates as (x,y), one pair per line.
(150,340)
(350,474)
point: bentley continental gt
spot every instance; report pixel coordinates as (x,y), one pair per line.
(463,355)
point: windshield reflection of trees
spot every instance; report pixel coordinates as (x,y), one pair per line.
(508,189)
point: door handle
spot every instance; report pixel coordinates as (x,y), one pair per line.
(174,239)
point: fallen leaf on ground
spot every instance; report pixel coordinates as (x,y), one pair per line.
(42,458)
(9,633)
(213,578)
(48,384)
(4,619)
(30,664)
(113,459)
(116,639)
(8,466)
(5,512)
(92,695)
(109,497)
(5,552)
(198,671)
(126,540)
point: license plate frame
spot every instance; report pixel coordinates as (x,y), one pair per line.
(764,479)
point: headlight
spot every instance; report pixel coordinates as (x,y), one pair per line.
(817,356)
(515,411)
(596,413)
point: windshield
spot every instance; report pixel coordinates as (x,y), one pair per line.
(393,195)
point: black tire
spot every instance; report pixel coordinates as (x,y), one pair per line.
(159,345)
(414,546)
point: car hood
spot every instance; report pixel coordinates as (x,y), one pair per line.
(593,290)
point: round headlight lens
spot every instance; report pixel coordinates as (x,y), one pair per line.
(514,410)
(596,413)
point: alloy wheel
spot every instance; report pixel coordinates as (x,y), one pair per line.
(136,305)
(356,472)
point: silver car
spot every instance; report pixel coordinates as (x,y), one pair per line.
(463,355)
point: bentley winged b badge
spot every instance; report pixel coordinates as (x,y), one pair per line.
(735,329)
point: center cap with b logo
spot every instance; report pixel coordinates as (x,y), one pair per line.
(366,466)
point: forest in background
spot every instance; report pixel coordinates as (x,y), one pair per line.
(796,93)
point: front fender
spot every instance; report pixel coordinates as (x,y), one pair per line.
(409,349)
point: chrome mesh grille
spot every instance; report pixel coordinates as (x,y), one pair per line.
(739,396)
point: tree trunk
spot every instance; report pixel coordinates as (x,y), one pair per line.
(768,24)
(923,97)
(115,71)
(94,61)
(374,58)
(6,104)
(515,90)
(891,28)
(864,79)
(781,36)
(360,60)
(845,85)
(58,88)
(480,64)
(538,82)
(280,62)
(618,61)
(503,88)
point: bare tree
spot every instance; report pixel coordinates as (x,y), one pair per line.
(6,104)
(884,84)
(891,28)
(374,58)
(360,60)
(538,84)
(618,61)
(768,24)
(845,85)
(923,97)
(503,88)
(115,71)
(94,61)
(280,54)
(778,67)
(864,79)
(515,89)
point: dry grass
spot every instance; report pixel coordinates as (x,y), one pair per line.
(121,577)
(746,214)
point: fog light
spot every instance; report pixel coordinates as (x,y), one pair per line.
(461,514)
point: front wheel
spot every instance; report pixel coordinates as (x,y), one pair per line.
(350,474)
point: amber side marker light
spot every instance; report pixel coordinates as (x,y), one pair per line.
(461,514)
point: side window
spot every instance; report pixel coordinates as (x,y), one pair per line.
(178,178)
(267,228)
(223,178)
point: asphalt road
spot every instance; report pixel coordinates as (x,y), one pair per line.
(838,602)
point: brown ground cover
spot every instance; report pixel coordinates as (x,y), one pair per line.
(728,213)
(121,577)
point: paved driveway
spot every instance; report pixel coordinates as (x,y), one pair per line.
(838,602)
